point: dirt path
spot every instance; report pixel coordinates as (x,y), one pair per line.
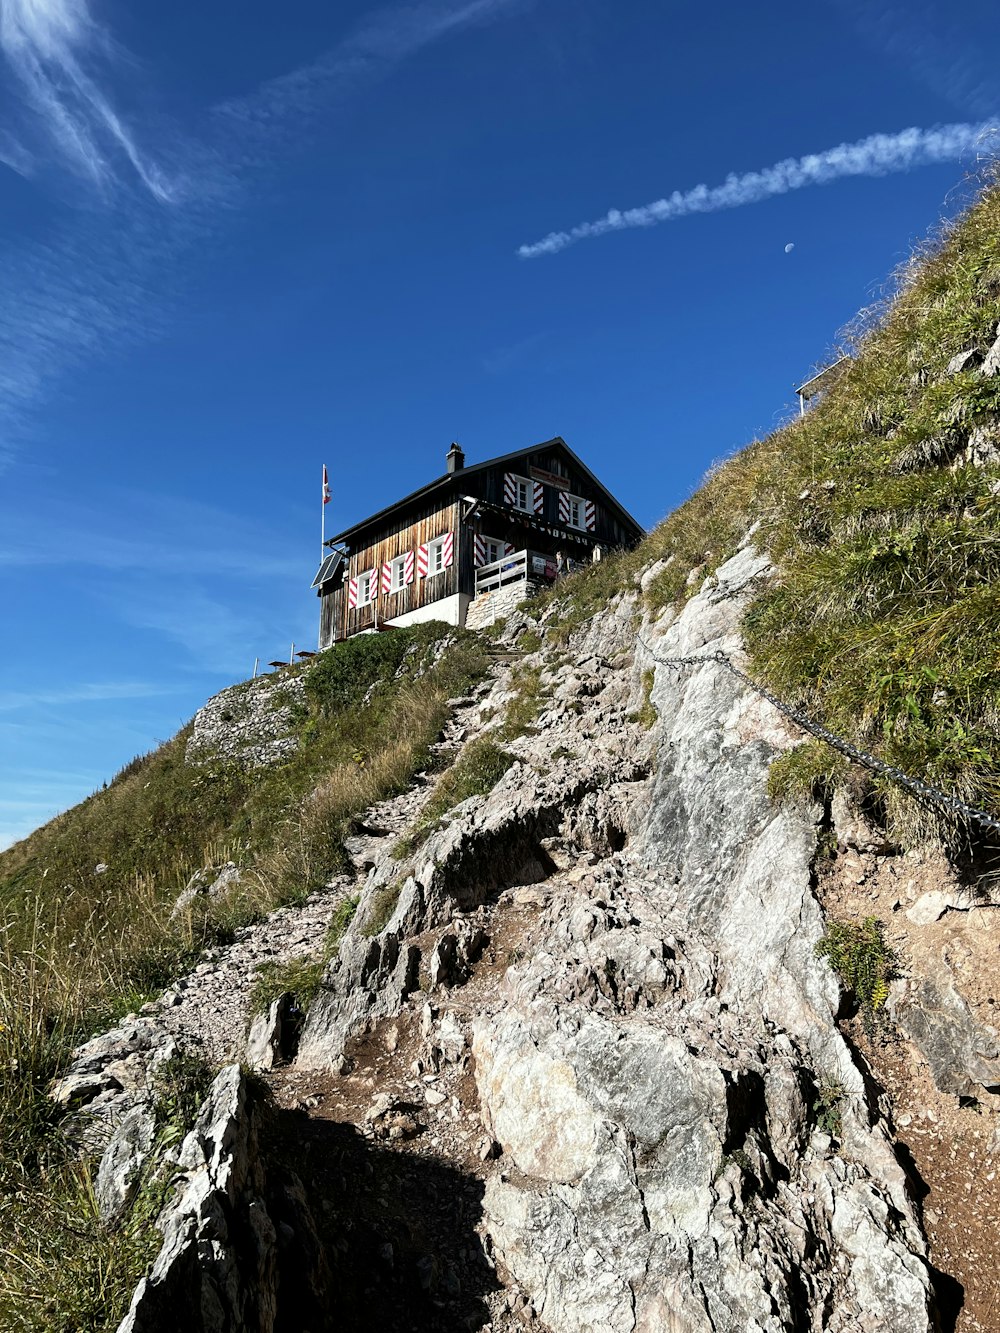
(209,1009)
(952,1142)
(396,1149)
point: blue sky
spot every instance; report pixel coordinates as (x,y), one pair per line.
(237,244)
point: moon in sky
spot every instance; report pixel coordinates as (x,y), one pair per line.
(789,247)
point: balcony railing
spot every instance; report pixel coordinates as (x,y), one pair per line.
(514,568)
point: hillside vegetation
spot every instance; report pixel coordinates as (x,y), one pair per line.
(79,946)
(881,509)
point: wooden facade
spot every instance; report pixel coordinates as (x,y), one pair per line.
(465,504)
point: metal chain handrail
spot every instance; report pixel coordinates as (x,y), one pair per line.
(916,786)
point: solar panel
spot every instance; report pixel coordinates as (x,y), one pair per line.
(328,569)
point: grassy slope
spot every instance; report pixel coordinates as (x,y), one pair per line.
(77,948)
(884,618)
(883,621)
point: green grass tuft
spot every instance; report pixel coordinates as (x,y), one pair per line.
(808,772)
(476,772)
(865,963)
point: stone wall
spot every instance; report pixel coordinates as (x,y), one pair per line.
(490,607)
(252,722)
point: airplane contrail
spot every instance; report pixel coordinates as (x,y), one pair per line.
(878,155)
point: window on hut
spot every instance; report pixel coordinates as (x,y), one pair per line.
(397,574)
(576,512)
(523,495)
(436,560)
(367,587)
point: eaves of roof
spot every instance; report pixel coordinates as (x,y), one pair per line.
(455,478)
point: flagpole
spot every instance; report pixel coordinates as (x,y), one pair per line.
(322,517)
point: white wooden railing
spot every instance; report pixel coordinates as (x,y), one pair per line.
(511,568)
(514,568)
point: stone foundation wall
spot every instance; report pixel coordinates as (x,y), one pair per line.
(490,607)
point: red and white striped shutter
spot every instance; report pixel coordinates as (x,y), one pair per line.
(591,516)
(352,594)
(422,560)
(539,497)
(509,489)
(563,507)
(386,577)
(448,553)
(508,549)
(408,567)
(479,545)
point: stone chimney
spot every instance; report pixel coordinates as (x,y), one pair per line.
(455,458)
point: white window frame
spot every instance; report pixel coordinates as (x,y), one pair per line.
(367,582)
(491,544)
(580,504)
(435,557)
(397,574)
(529,493)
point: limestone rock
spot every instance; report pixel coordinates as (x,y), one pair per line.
(273,1033)
(215,883)
(669,1176)
(984,444)
(964,360)
(963,1054)
(853,830)
(931,906)
(121,1164)
(107,1077)
(251,723)
(455,954)
(217,1267)
(991,364)
(369,979)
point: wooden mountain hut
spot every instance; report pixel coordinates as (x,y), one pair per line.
(468,546)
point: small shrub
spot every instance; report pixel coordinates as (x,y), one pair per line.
(738,1158)
(382,906)
(342,917)
(647,714)
(826,1109)
(523,709)
(865,963)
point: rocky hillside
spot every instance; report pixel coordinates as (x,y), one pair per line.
(599,994)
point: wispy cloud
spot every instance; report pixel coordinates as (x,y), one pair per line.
(28,797)
(950,50)
(105,280)
(51,46)
(285,108)
(160,534)
(878,155)
(185,547)
(218,636)
(97,692)
(503,359)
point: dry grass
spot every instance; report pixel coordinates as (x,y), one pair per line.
(78,948)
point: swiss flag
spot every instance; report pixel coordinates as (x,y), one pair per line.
(326,486)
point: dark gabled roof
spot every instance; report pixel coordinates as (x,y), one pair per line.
(455,478)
